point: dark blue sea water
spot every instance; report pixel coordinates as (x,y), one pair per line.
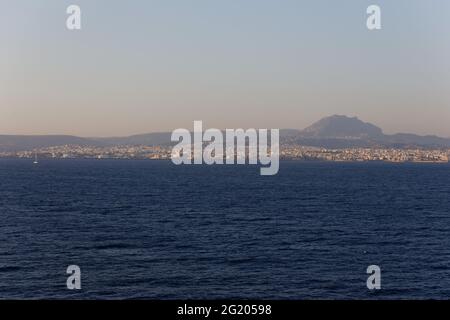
(149,229)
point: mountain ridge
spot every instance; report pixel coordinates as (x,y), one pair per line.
(336,131)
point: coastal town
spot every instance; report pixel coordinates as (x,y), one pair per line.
(287,152)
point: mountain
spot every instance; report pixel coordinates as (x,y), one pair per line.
(348,132)
(411,140)
(20,143)
(149,139)
(332,132)
(338,126)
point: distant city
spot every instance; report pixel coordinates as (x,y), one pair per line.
(288,152)
(335,138)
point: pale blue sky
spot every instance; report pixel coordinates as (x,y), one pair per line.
(143,66)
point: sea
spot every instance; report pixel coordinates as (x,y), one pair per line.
(152,230)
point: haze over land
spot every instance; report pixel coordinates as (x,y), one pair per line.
(336,131)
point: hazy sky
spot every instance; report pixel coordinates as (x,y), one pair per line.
(143,66)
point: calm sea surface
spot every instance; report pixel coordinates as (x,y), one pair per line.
(149,229)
